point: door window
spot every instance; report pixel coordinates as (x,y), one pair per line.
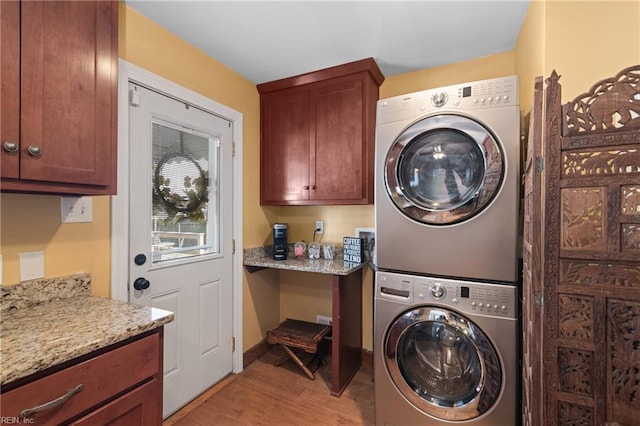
(444,169)
(185,217)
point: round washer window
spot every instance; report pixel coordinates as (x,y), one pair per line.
(440,363)
(444,169)
(443,363)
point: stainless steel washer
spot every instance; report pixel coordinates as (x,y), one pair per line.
(447,181)
(445,352)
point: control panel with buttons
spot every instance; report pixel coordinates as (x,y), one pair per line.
(481,94)
(464,296)
(480,298)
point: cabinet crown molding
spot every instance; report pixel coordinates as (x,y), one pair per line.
(363,65)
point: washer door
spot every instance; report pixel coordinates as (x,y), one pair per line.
(444,169)
(443,364)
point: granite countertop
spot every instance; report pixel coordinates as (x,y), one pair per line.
(260,257)
(37,335)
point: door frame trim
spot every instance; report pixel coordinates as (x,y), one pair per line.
(120,203)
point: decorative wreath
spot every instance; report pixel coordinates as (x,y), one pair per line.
(194,191)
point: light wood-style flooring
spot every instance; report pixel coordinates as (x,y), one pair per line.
(264,394)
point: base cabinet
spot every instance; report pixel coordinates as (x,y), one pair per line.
(317,136)
(137,407)
(120,386)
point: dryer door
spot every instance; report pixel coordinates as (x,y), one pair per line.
(443,363)
(444,169)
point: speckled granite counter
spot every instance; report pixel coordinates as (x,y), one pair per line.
(63,326)
(346,306)
(260,257)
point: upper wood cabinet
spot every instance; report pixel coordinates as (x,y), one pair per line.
(59,96)
(317,136)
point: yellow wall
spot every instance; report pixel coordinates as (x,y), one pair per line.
(588,41)
(584,42)
(529,53)
(32,223)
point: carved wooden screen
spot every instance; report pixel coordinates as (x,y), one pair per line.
(533,382)
(592,253)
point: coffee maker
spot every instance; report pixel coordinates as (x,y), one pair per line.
(280,244)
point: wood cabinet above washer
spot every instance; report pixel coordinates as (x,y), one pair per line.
(317,136)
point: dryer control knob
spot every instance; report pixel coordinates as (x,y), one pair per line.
(438,291)
(439,99)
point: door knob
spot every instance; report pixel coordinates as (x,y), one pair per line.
(141,283)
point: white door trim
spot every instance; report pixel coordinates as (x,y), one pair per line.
(120,203)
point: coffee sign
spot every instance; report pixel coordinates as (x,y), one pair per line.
(353,249)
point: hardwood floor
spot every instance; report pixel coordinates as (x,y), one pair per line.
(264,394)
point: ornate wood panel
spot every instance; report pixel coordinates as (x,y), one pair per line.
(591,251)
(533,382)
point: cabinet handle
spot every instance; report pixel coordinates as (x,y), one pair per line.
(313,187)
(10,146)
(305,187)
(51,404)
(34,150)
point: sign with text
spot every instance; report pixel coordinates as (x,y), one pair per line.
(353,250)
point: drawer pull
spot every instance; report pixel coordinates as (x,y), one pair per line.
(10,146)
(34,150)
(51,404)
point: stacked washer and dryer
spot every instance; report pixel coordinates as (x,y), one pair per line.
(447,214)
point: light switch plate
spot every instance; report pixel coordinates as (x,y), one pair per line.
(76,209)
(31,265)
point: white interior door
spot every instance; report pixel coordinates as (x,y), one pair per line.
(180,236)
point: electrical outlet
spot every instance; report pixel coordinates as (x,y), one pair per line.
(321,319)
(367,234)
(31,265)
(319,227)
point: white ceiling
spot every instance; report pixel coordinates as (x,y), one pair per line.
(268,40)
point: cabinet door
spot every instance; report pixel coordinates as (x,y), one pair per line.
(69,92)
(284,164)
(10,89)
(141,406)
(338,144)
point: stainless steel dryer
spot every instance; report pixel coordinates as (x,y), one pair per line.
(447,181)
(445,352)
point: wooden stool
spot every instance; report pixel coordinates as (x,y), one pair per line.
(302,335)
